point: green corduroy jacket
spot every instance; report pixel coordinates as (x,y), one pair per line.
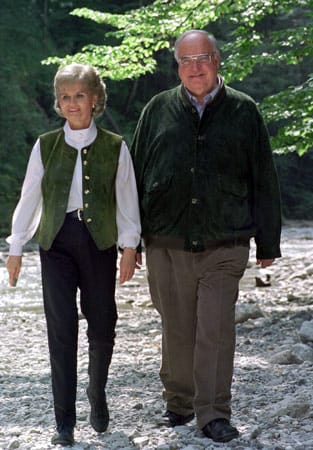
(99,163)
(208,179)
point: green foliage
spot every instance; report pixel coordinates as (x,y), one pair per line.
(21,111)
(296,124)
(140,34)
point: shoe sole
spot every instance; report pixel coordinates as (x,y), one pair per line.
(62,442)
(226,438)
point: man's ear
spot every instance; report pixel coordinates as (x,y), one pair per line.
(217,58)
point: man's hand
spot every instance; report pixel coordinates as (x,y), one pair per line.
(13,265)
(265,262)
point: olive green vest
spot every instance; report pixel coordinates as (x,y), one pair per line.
(99,163)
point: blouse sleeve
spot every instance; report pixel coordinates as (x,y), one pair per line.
(26,216)
(127,208)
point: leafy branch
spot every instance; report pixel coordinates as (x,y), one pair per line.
(140,34)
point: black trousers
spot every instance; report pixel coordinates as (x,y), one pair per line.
(74,262)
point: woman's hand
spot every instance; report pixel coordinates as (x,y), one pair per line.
(265,262)
(13,265)
(130,260)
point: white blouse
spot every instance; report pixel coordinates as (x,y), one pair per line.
(27,213)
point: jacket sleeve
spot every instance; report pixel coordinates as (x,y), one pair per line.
(139,150)
(267,197)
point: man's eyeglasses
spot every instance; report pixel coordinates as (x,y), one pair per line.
(203,58)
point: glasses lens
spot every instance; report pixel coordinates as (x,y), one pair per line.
(199,59)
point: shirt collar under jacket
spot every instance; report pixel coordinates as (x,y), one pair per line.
(208,98)
(80,138)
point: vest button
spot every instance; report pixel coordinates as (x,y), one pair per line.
(194,201)
(87,191)
(89,220)
(85,163)
(87,177)
(192,170)
(85,151)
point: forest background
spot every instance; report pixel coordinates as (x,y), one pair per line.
(33,30)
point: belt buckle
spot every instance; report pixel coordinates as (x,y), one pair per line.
(79,215)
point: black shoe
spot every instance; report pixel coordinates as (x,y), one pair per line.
(63,436)
(99,414)
(220,430)
(99,418)
(174,420)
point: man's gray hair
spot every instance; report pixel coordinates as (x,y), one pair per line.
(210,37)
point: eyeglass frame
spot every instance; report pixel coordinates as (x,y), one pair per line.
(191,58)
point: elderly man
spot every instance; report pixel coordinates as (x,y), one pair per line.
(207,184)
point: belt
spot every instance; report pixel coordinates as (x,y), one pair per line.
(178,244)
(240,241)
(77,214)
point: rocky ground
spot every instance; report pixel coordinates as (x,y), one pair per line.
(273,379)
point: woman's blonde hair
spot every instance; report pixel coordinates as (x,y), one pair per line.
(86,74)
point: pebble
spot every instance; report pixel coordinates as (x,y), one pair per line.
(273,376)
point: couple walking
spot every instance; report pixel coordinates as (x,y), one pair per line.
(197,185)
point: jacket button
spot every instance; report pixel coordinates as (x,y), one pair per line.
(192,170)
(194,201)
(89,220)
(194,243)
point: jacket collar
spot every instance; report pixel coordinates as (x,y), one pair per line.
(218,98)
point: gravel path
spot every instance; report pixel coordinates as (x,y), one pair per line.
(272,389)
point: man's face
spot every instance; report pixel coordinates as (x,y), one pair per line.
(198,74)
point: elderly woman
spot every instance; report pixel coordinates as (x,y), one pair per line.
(79,193)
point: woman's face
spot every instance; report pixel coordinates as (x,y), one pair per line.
(76,102)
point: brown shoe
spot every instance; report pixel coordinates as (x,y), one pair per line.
(220,430)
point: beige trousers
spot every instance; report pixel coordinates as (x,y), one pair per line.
(195,294)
